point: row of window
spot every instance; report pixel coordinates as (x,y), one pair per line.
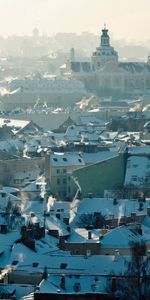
(63,181)
(59,171)
(104,53)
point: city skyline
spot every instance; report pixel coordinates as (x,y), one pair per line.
(125,19)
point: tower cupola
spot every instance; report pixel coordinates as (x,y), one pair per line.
(105,37)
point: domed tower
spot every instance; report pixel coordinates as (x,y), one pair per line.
(105,53)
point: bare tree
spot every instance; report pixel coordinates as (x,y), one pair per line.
(135,283)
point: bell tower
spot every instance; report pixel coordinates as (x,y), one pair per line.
(105,53)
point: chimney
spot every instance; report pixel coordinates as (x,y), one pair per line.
(148,211)
(89,235)
(104,231)
(139,228)
(148,254)
(90,195)
(111,216)
(133,216)
(62,242)
(116,255)
(63,283)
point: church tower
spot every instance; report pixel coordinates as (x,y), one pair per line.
(105,53)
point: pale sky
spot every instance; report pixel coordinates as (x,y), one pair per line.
(126,19)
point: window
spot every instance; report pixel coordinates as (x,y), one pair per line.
(80,160)
(55,159)
(58,171)
(58,180)
(64,180)
(134,178)
(64,171)
(64,159)
(34,265)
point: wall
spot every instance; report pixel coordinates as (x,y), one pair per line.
(98,177)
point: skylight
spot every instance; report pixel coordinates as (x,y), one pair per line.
(34,265)
(63,266)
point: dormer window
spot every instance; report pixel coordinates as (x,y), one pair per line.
(55,159)
(34,265)
(63,266)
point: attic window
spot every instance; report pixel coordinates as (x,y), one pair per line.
(63,266)
(64,159)
(15,262)
(34,265)
(55,159)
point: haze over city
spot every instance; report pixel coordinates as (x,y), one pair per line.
(74,150)
(127,20)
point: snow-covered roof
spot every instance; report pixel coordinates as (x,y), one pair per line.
(106,207)
(123,236)
(14,123)
(77,284)
(53,223)
(66,159)
(11,146)
(8,239)
(95,264)
(91,119)
(10,189)
(137,171)
(91,158)
(135,67)
(36,186)
(80,235)
(139,150)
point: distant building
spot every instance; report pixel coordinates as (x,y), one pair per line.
(25,92)
(110,77)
